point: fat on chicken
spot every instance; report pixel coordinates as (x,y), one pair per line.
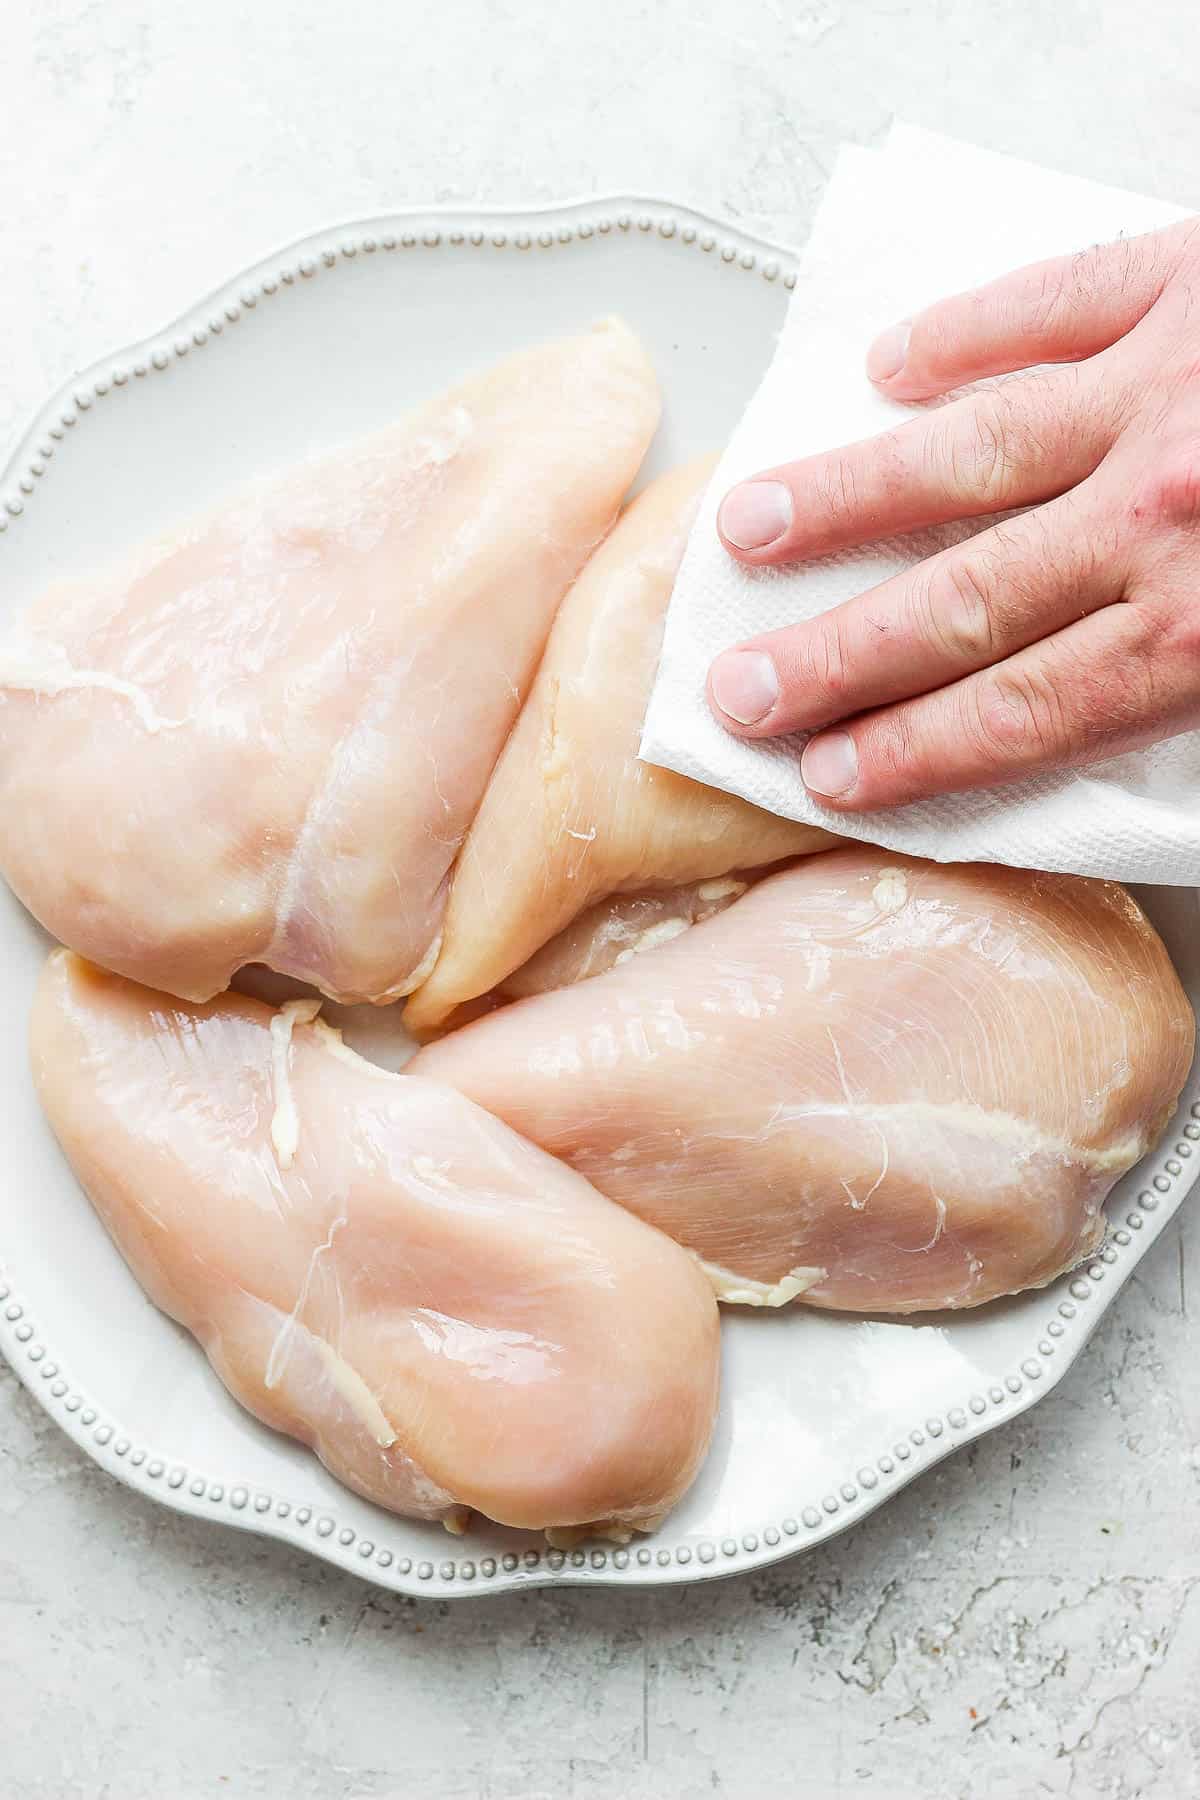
(570,816)
(264,739)
(447,1316)
(615,931)
(879,1084)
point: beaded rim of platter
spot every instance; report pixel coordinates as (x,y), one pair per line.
(250,294)
(1072,1308)
(1072,1305)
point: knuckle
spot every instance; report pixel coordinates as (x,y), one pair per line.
(897,755)
(829,675)
(816,673)
(1070,287)
(1017,717)
(1169,492)
(982,457)
(1064,287)
(990,447)
(955,612)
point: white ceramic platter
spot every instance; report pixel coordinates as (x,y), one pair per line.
(823,1417)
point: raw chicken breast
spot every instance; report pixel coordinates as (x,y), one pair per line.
(570,815)
(265,740)
(374,1266)
(887,1085)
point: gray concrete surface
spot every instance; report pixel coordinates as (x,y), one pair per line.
(1023,1622)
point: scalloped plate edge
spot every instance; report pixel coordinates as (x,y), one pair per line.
(530,231)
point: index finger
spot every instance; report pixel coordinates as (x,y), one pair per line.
(1004,447)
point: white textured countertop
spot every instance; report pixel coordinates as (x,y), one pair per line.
(1025,1621)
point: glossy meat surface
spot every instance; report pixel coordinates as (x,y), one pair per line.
(885,1084)
(570,815)
(615,930)
(378,1268)
(264,740)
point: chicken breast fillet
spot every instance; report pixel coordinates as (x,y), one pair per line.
(883,1084)
(570,816)
(251,745)
(446,1315)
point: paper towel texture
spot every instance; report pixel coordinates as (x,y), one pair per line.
(899,229)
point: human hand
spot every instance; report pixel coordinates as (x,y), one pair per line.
(1066,634)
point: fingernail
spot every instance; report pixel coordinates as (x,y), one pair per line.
(829,764)
(755,514)
(744,685)
(886,356)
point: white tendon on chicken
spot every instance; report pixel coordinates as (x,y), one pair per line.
(870,1083)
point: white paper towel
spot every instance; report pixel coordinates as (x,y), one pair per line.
(898,229)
